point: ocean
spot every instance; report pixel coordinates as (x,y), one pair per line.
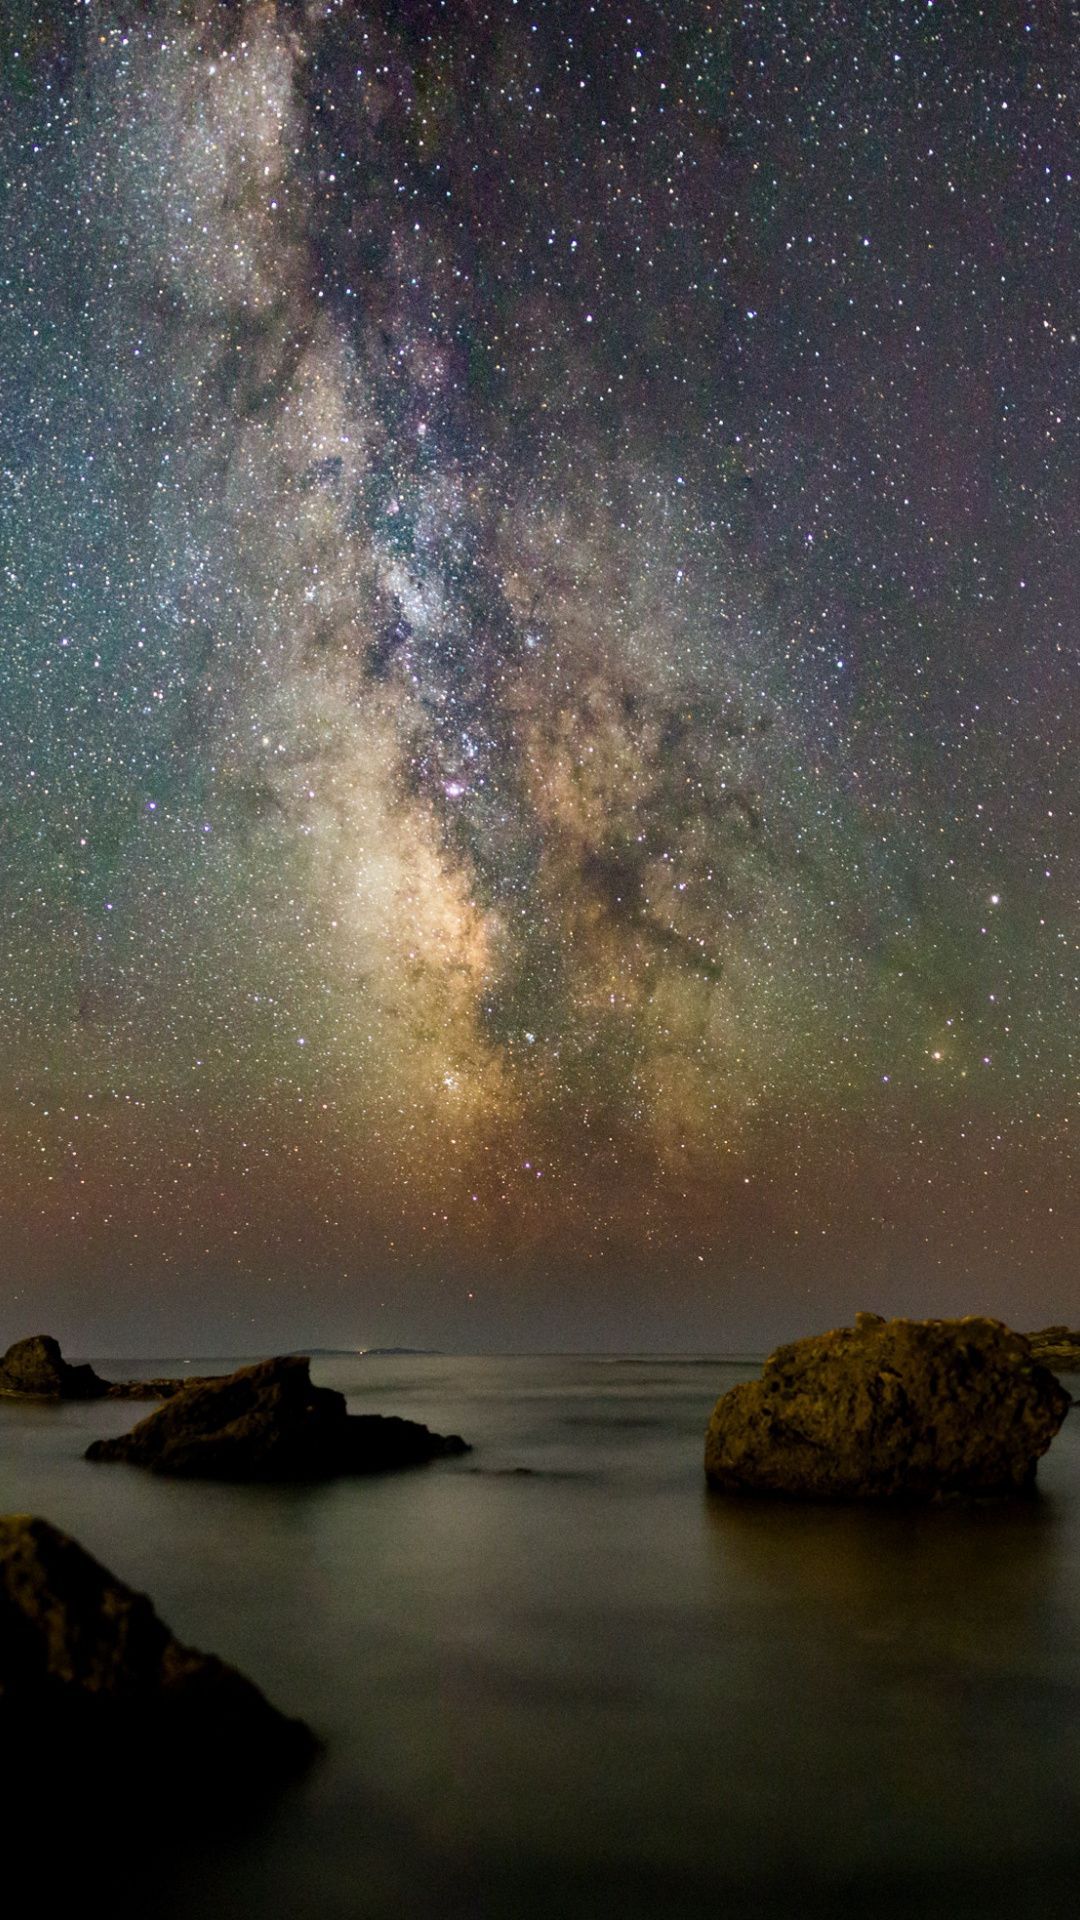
(557,1678)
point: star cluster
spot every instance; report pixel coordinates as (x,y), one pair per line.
(539,678)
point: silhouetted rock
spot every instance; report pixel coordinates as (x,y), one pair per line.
(1057,1348)
(35,1369)
(99,1701)
(162,1389)
(268,1422)
(889,1409)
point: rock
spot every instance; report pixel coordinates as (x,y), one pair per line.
(1057,1348)
(907,1409)
(35,1369)
(268,1422)
(99,1701)
(154,1389)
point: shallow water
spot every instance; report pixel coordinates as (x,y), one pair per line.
(592,1689)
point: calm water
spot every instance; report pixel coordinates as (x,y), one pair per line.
(592,1690)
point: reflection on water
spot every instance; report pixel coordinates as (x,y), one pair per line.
(593,1689)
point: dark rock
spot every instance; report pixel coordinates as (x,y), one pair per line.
(907,1409)
(35,1369)
(1057,1348)
(98,1699)
(268,1422)
(162,1389)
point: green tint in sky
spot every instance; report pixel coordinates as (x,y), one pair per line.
(538,671)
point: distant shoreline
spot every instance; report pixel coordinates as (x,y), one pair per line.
(622,1355)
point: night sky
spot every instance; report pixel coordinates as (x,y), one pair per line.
(539,672)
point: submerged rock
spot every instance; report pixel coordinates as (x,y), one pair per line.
(1057,1348)
(97,1695)
(269,1422)
(35,1369)
(889,1409)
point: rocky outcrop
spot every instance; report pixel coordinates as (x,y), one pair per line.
(98,1698)
(908,1409)
(1057,1348)
(35,1369)
(162,1389)
(269,1422)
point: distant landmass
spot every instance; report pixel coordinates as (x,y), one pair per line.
(358,1353)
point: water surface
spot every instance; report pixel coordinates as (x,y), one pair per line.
(591,1689)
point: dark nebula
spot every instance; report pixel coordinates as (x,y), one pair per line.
(539,688)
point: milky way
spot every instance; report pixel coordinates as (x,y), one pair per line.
(539,694)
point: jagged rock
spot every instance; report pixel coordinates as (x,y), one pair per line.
(268,1422)
(97,1696)
(35,1369)
(889,1409)
(1057,1348)
(162,1389)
